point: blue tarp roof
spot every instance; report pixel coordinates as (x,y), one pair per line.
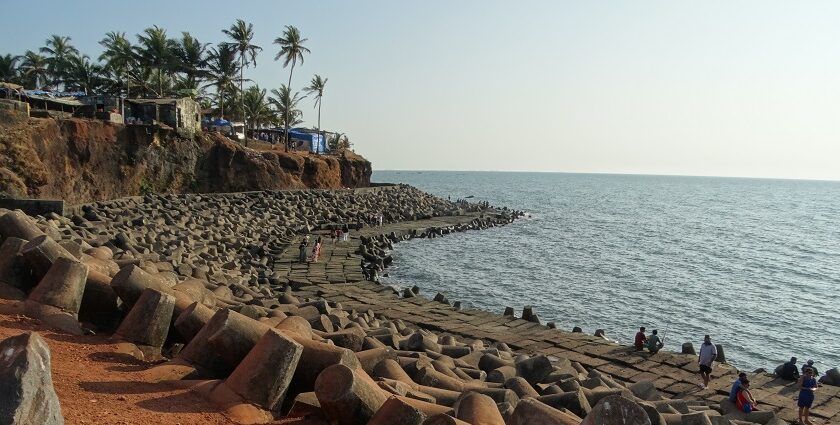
(218,121)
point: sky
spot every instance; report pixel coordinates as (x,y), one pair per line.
(716,88)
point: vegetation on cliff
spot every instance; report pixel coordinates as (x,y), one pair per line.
(82,160)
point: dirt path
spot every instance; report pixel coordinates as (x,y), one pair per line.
(97,386)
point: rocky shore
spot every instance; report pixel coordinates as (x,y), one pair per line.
(206,293)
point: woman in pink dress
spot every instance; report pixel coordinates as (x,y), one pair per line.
(316,250)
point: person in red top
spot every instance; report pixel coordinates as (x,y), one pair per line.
(641,339)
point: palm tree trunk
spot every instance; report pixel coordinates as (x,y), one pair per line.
(288,113)
(221,103)
(320,136)
(160,82)
(241,93)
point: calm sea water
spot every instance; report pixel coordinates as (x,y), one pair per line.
(754,263)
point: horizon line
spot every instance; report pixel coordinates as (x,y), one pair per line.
(605,173)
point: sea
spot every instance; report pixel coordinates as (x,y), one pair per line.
(755,263)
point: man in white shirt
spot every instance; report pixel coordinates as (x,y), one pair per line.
(708,354)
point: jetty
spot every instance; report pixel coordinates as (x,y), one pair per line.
(203,297)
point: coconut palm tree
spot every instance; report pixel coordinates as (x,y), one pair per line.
(59,49)
(9,68)
(223,67)
(242,33)
(119,58)
(191,57)
(288,113)
(291,51)
(257,108)
(83,75)
(157,51)
(316,87)
(35,68)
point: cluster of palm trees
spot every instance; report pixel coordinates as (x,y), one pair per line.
(156,65)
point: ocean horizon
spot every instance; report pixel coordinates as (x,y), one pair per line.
(750,261)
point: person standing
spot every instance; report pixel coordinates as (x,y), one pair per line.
(708,354)
(346,232)
(316,250)
(641,339)
(807,387)
(302,253)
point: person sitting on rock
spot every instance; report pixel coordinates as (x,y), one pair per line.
(789,370)
(810,364)
(641,339)
(744,401)
(654,343)
(737,386)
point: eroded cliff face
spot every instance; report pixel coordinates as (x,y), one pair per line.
(81,160)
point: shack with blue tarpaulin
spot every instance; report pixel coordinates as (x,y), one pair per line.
(302,139)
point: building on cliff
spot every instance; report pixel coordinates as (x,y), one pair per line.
(181,114)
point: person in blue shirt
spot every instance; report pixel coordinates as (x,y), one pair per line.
(807,386)
(737,385)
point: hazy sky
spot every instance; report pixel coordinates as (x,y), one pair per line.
(730,88)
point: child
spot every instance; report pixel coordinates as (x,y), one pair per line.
(807,387)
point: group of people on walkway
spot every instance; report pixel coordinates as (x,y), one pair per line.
(806,382)
(316,250)
(653,343)
(740,393)
(340,234)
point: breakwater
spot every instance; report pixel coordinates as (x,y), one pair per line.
(211,286)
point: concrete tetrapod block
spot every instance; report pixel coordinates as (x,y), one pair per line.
(616,410)
(390,369)
(41,252)
(27,395)
(131,280)
(530,411)
(264,375)
(443,419)
(192,319)
(534,369)
(489,362)
(347,398)
(62,286)
(317,357)
(501,374)
(147,323)
(475,408)
(100,304)
(15,224)
(574,401)
(237,335)
(11,271)
(397,412)
(697,418)
(198,359)
(439,395)
(368,359)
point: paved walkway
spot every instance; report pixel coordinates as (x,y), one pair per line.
(673,374)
